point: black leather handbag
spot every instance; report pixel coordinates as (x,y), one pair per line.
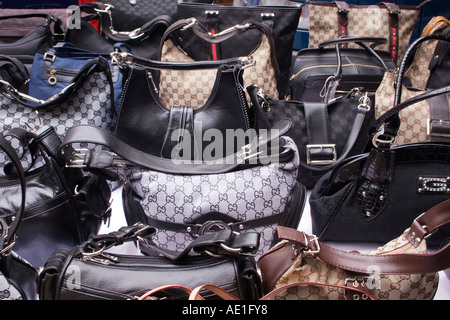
(320,74)
(63,206)
(45,35)
(325,133)
(161,128)
(143,40)
(17,276)
(375,196)
(90,272)
(283,21)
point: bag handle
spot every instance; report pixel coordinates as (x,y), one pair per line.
(203,33)
(216,244)
(123,155)
(8,241)
(99,64)
(406,59)
(329,88)
(295,243)
(361,41)
(194,294)
(391,120)
(125,59)
(103,11)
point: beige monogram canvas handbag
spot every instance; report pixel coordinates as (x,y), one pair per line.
(197,86)
(424,121)
(300,267)
(331,20)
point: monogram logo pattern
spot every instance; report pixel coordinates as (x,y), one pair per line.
(7,291)
(243,195)
(386,287)
(418,73)
(89,105)
(193,88)
(368,22)
(414,119)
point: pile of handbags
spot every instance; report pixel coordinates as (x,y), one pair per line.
(213,131)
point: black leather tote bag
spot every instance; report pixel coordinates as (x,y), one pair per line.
(375,196)
(63,205)
(283,21)
(222,258)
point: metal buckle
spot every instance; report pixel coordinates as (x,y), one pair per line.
(441,122)
(237,27)
(310,252)
(49,57)
(78,159)
(191,23)
(246,153)
(309,147)
(376,139)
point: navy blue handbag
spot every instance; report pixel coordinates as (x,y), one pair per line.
(54,70)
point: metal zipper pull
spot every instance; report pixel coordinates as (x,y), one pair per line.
(104,262)
(52,79)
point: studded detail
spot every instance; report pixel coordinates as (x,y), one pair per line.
(372,199)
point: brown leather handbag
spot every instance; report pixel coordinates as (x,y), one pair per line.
(400,270)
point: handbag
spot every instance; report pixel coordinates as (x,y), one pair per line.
(402,269)
(54,70)
(283,21)
(321,74)
(44,34)
(90,272)
(425,121)
(331,20)
(131,15)
(429,56)
(262,73)
(17,276)
(63,207)
(86,100)
(253,190)
(144,40)
(179,130)
(325,133)
(375,196)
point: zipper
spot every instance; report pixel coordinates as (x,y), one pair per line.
(55,71)
(331,65)
(122,96)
